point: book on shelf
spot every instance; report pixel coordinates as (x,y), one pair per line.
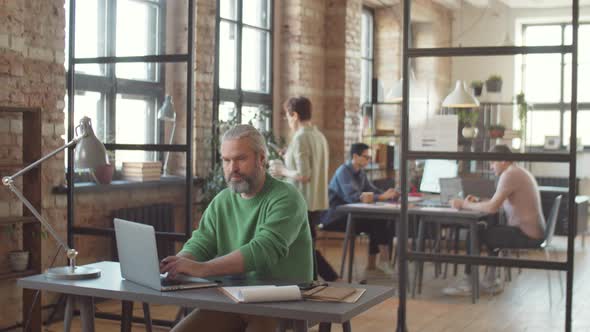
(141,172)
(142,164)
(141,178)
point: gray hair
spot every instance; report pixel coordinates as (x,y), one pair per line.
(500,148)
(246,131)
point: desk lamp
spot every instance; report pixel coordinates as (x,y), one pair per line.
(167,114)
(89,153)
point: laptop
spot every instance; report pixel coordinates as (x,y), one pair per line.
(479,187)
(138,255)
(449,189)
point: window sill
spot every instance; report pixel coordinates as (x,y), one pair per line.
(91,187)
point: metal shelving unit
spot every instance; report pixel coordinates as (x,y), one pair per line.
(187,148)
(406,154)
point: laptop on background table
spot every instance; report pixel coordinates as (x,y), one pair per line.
(138,256)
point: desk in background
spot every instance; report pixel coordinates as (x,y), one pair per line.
(111,286)
(447,216)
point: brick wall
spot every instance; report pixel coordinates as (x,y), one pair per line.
(319,56)
(32,74)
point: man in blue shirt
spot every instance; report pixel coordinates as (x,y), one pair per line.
(351,185)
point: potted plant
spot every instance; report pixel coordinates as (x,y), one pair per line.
(477,86)
(468,118)
(494,83)
(496,131)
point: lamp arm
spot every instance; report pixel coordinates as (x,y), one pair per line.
(44,222)
(36,163)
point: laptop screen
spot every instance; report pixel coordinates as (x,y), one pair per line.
(434,170)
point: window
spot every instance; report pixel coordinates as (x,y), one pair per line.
(244,60)
(116,95)
(546,82)
(366,54)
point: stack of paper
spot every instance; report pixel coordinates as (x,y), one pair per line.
(142,171)
(269,293)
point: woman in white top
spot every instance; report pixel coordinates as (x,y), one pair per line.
(306,167)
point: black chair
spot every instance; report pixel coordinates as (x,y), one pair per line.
(546,244)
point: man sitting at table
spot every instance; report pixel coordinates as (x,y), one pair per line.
(351,185)
(257,227)
(518,194)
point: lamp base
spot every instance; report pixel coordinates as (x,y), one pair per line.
(79,273)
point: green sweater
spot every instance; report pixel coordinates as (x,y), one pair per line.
(270,230)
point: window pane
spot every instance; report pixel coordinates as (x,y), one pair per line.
(227,112)
(541,124)
(90,34)
(367,34)
(256,115)
(365,81)
(90,104)
(542,77)
(542,35)
(228,9)
(582,121)
(137,35)
(135,124)
(255,12)
(227,55)
(583,66)
(255,60)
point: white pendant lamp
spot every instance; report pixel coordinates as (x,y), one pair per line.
(460,98)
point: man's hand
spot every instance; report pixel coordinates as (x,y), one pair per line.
(389,194)
(456,203)
(176,264)
(472,199)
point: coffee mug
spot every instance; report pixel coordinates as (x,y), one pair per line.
(367,197)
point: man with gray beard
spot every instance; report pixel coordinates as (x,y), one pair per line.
(256,227)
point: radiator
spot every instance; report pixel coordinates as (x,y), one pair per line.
(161,216)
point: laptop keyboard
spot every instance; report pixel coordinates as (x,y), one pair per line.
(169,282)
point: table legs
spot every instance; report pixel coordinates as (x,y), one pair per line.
(295,325)
(474,246)
(86,305)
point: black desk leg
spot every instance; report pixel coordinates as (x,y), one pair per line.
(126,315)
(325,327)
(473,244)
(345,246)
(417,263)
(350,227)
(147,317)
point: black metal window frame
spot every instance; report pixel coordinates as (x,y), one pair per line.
(368,58)
(562,106)
(238,96)
(109,86)
(137,88)
(405,254)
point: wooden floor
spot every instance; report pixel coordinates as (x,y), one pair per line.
(523,306)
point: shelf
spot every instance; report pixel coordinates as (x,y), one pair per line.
(16,220)
(11,166)
(16,275)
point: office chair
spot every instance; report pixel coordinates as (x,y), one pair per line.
(546,244)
